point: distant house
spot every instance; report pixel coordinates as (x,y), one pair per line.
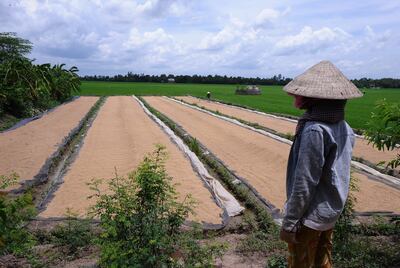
(248,90)
(171,80)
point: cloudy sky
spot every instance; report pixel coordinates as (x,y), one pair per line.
(247,38)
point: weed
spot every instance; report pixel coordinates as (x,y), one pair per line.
(276,261)
(380,226)
(194,146)
(364,252)
(195,254)
(73,235)
(7,121)
(259,241)
(288,136)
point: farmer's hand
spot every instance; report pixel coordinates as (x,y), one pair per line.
(289,237)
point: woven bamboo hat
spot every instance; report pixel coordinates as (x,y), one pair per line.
(323,81)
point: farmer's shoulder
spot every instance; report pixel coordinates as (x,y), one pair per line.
(315,130)
(314,126)
(330,133)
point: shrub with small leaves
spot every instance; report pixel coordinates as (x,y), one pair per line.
(140,216)
(383,129)
(14,212)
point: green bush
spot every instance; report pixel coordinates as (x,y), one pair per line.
(141,216)
(383,129)
(14,212)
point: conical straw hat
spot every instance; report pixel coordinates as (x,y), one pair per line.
(323,81)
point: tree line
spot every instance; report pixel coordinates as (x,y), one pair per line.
(197,79)
(377,83)
(219,79)
(27,88)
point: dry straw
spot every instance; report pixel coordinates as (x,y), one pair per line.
(323,81)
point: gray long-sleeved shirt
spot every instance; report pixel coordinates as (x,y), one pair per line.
(318,175)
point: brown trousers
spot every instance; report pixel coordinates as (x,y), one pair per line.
(314,249)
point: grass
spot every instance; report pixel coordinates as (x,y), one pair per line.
(7,121)
(272,100)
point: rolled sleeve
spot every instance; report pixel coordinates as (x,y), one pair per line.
(307,175)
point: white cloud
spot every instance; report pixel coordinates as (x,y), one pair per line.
(379,40)
(219,40)
(162,7)
(311,41)
(267,17)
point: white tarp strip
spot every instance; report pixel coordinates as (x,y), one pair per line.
(224,199)
(357,165)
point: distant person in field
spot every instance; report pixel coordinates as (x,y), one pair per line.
(318,171)
(208,95)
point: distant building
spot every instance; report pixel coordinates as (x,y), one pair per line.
(248,90)
(171,80)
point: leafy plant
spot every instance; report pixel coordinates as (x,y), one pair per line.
(277,261)
(140,216)
(14,212)
(384,128)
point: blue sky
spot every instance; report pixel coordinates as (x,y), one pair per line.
(246,38)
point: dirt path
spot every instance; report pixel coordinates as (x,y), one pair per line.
(259,159)
(362,148)
(25,149)
(119,138)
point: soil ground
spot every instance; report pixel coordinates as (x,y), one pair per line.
(120,137)
(260,159)
(27,147)
(361,149)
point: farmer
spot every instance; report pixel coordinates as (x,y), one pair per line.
(318,171)
(208,95)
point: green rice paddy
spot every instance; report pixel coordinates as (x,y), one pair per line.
(272,100)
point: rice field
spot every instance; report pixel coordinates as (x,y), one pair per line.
(272,99)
